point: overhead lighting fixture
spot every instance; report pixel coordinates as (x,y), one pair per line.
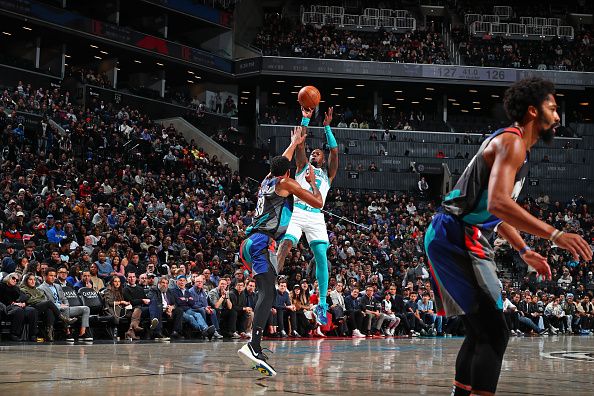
(159,64)
(584,103)
(398,91)
(137,61)
(430,89)
(6,33)
(428,98)
(65,64)
(451,100)
(67,56)
(97,57)
(245,92)
(104,52)
(117,68)
(198,77)
(322,101)
(386,104)
(190,71)
(392,107)
(414,102)
(93,46)
(296,86)
(560,94)
(400,99)
(464,111)
(456,104)
(27,28)
(472,90)
(276,93)
(280,81)
(338,88)
(350,97)
(190,81)
(336,105)
(244,97)
(360,85)
(494,96)
(294,92)
(281,103)
(476,102)
(333,94)
(476,108)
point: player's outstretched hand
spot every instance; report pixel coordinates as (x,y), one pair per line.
(310,176)
(298,136)
(328,116)
(306,112)
(576,245)
(538,262)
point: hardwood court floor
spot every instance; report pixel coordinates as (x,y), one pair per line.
(555,365)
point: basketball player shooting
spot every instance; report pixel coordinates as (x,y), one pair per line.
(461,260)
(307,219)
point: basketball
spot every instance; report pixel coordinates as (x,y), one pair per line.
(309,97)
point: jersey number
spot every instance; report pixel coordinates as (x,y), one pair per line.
(260,206)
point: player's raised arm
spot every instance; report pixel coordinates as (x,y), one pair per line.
(300,156)
(313,198)
(297,138)
(331,140)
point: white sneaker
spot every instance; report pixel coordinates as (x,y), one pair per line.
(358,334)
(256,361)
(319,332)
(235,336)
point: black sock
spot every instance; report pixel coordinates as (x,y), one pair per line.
(256,339)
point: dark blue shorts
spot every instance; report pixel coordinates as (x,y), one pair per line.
(258,253)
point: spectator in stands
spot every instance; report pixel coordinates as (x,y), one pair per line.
(14,304)
(163,303)
(8,261)
(55,294)
(185,302)
(94,277)
(372,310)
(136,296)
(279,309)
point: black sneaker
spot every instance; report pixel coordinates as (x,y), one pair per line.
(256,361)
(209,332)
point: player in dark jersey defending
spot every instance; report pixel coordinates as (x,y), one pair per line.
(461,260)
(258,250)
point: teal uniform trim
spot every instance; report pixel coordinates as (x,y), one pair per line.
(304,121)
(480,214)
(291,238)
(302,170)
(246,250)
(306,208)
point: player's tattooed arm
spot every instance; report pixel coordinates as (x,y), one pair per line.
(283,250)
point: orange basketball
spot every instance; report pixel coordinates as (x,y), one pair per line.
(309,97)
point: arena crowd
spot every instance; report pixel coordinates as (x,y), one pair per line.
(125,211)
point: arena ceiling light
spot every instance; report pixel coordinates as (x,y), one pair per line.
(476,102)
(584,103)
(350,97)
(280,81)
(27,28)
(245,97)
(392,107)
(456,104)
(67,56)
(338,88)
(245,92)
(104,52)
(400,99)
(297,86)
(97,57)
(476,108)
(360,85)
(472,90)
(398,91)
(6,33)
(93,46)
(137,61)
(451,100)
(276,93)
(430,89)
(190,72)
(428,98)
(386,104)
(336,105)
(559,94)
(494,96)
(333,94)
(294,92)
(464,111)
(414,102)
(159,64)
(190,81)
(282,103)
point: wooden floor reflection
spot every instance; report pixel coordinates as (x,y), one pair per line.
(558,365)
